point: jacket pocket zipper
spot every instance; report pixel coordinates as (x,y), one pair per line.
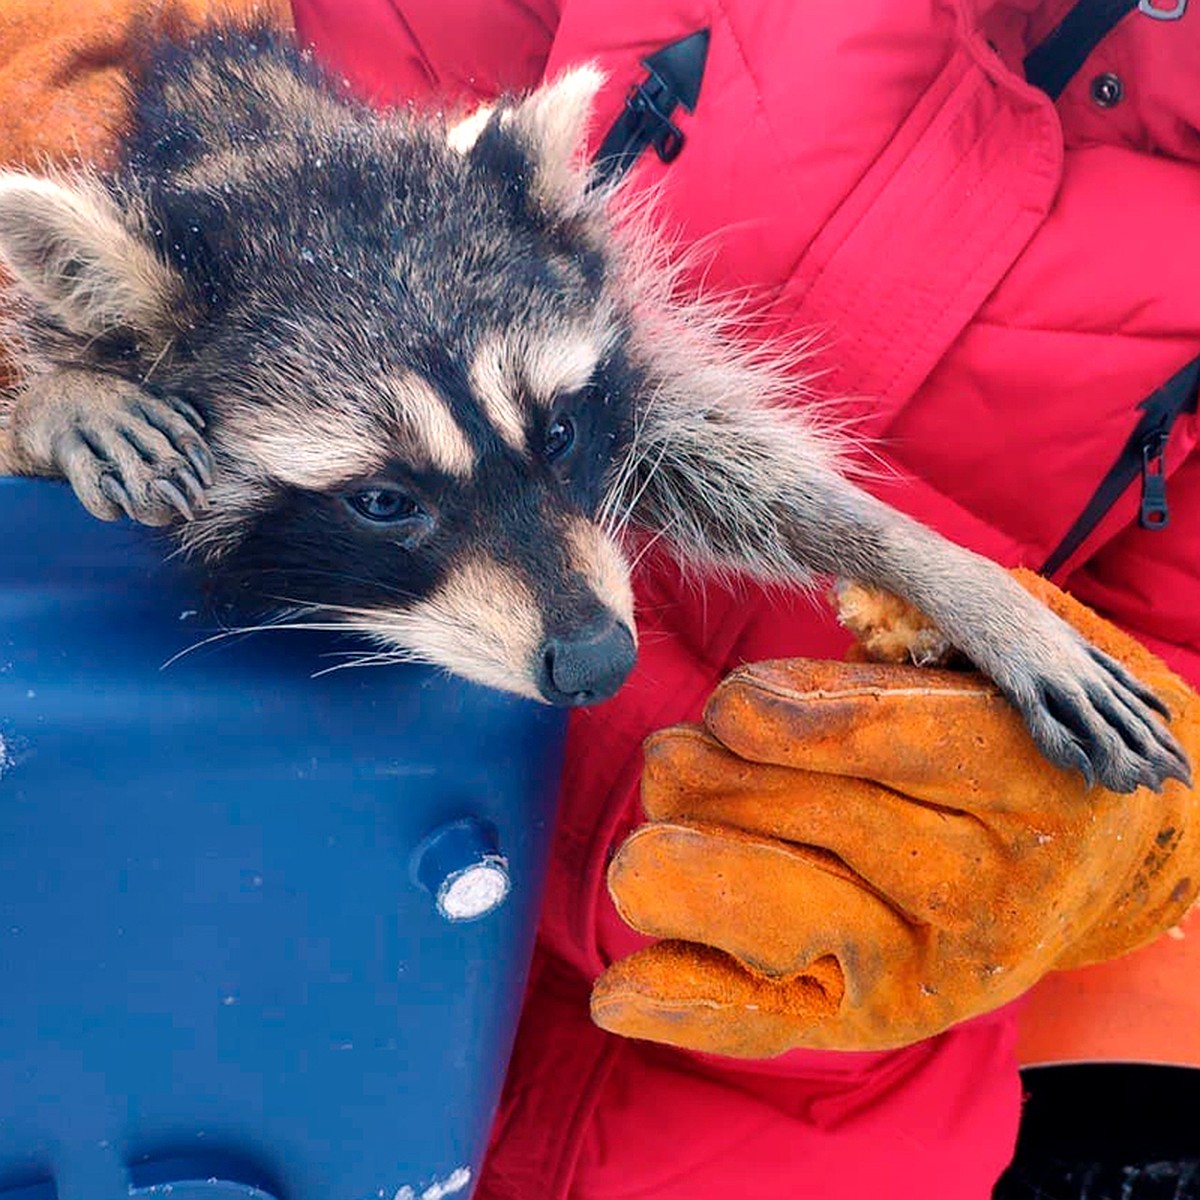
(1144,455)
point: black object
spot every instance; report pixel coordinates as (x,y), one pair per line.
(1107,1132)
(674,76)
(1107,89)
(1054,61)
(1051,65)
(1142,455)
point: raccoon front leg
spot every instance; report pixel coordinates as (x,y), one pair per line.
(756,492)
(123,450)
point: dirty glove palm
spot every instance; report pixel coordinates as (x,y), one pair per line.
(857,856)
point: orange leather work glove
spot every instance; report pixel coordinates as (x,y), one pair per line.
(856,856)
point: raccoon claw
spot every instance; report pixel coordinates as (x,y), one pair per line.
(170,494)
(186,410)
(166,501)
(110,488)
(165,493)
(1103,725)
(202,461)
(1135,685)
(139,456)
(179,424)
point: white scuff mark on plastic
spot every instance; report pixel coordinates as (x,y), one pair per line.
(439,1189)
(3,756)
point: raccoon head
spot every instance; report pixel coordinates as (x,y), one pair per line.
(415,365)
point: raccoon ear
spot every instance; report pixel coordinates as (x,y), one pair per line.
(464,133)
(72,252)
(552,122)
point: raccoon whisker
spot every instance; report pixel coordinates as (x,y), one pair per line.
(610,515)
(341,654)
(367,660)
(307,608)
(168,346)
(246,630)
(607,514)
(224,635)
(649,544)
(220,636)
(317,573)
(304,615)
(617,509)
(295,608)
(647,478)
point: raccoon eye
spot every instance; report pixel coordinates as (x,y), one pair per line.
(559,437)
(385,505)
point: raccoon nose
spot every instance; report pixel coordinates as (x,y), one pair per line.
(586,666)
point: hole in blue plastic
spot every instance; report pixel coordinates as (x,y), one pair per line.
(198,1178)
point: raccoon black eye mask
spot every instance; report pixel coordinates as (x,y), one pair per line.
(419,381)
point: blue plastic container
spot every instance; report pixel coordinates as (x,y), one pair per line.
(227,964)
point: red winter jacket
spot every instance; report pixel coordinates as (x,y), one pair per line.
(998,280)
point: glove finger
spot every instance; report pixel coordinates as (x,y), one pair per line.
(776,908)
(934,864)
(940,736)
(700,999)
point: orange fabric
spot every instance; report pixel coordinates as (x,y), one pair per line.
(63,67)
(1138,1009)
(858,856)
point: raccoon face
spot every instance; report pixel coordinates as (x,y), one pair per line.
(414,367)
(470,533)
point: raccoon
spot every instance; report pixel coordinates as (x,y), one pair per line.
(424,379)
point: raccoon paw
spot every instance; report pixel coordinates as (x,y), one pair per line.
(1088,713)
(138,455)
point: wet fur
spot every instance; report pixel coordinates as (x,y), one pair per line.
(282,296)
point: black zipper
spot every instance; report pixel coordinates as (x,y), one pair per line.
(1144,455)
(1056,60)
(673,77)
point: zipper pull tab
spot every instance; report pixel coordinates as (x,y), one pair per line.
(652,121)
(1154,513)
